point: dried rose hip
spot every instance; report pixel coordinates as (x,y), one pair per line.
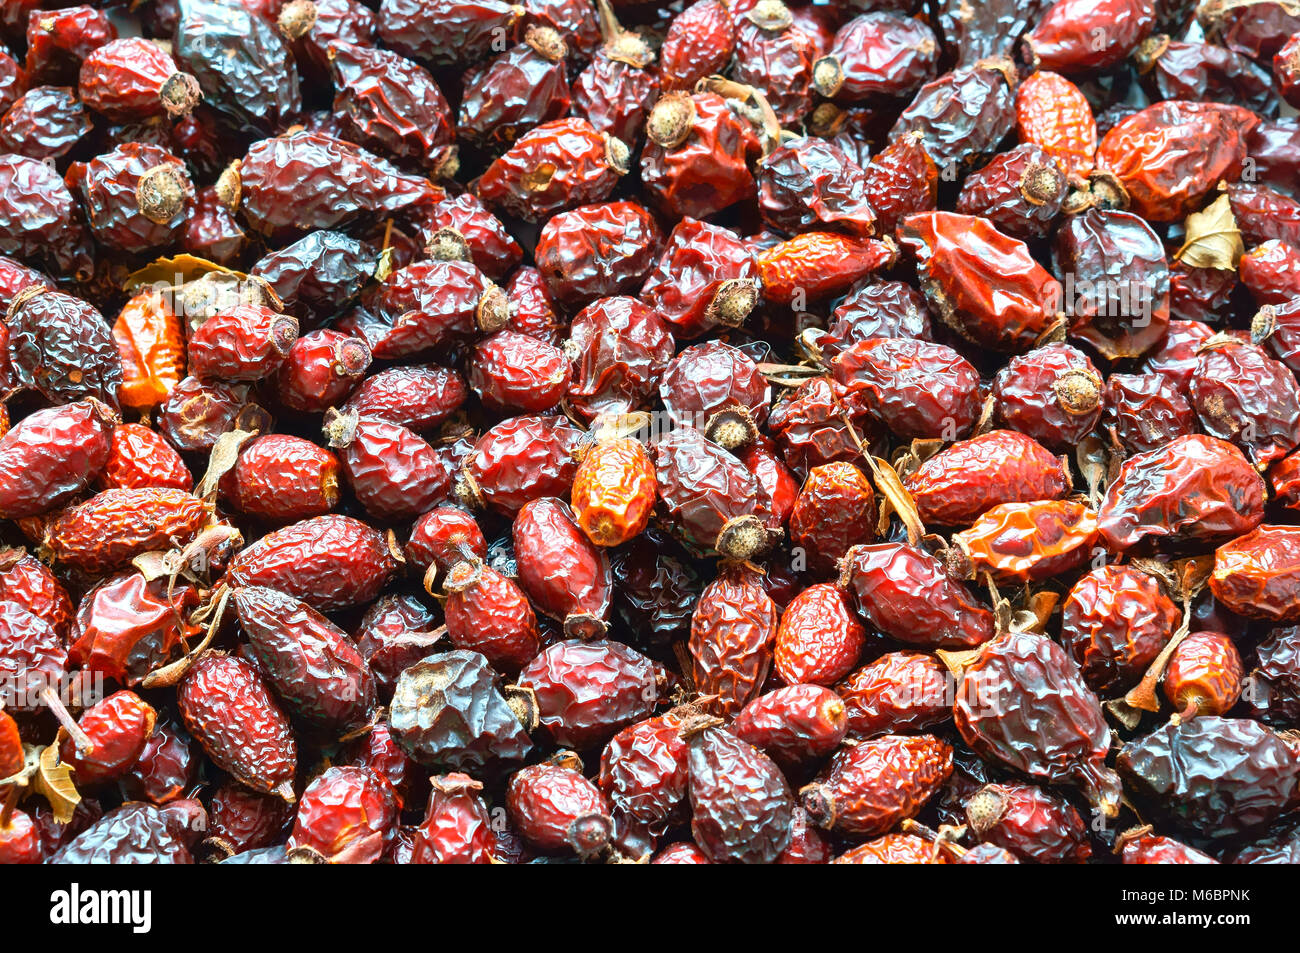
(900,691)
(456,828)
(816,265)
(1075,36)
(793,725)
(733,634)
(586,691)
(554,808)
(111,528)
(1242,395)
(961,482)
(133,78)
(62,347)
(878,55)
(1204,675)
(1024,703)
(617,88)
(984,285)
(962,115)
(1142,847)
(280,478)
(516,372)
(329,562)
(597,250)
(246,343)
(1256,575)
(614,491)
(908,595)
(706,278)
(917,389)
(522,88)
(1115,620)
(320,370)
(151,350)
(1030,541)
(52,455)
(1054,115)
(347,815)
(1020,192)
(129,626)
(393,472)
(741,806)
(565,575)
(869,787)
(1146,411)
(1028,821)
(902,179)
(229,710)
(775,57)
(135,197)
(1195,487)
(819,638)
(700,41)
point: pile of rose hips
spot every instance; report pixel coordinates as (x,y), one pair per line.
(724,431)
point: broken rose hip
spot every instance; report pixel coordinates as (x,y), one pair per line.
(1195,487)
(908,595)
(229,711)
(329,562)
(281,478)
(447,710)
(320,370)
(128,626)
(793,725)
(312,664)
(394,473)
(984,285)
(133,78)
(566,576)
(52,455)
(457,828)
(1054,115)
(917,389)
(557,166)
(710,497)
(707,277)
(111,528)
(1030,541)
(555,809)
(816,265)
(1028,821)
(868,788)
(696,161)
(347,815)
(733,634)
(879,55)
(1020,192)
(1204,675)
(819,639)
(1258,575)
(1115,621)
(151,350)
(597,250)
(900,691)
(958,484)
(1023,702)
(741,805)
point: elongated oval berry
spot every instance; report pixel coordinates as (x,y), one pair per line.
(320,370)
(586,691)
(229,711)
(741,806)
(244,343)
(1257,575)
(520,459)
(869,787)
(1029,822)
(555,809)
(329,562)
(488,612)
(514,372)
(644,770)
(281,478)
(794,725)
(1115,621)
(139,457)
(733,633)
(1204,675)
(314,667)
(614,491)
(819,638)
(566,576)
(835,509)
(1030,541)
(114,526)
(900,691)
